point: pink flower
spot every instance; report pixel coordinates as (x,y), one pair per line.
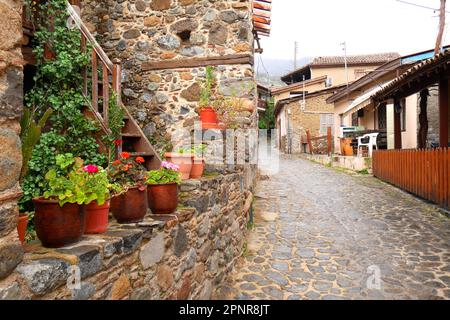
(90,168)
(170,166)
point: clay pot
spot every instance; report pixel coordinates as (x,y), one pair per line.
(58,226)
(184,161)
(22,227)
(97,217)
(130,206)
(162,198)
(208,115)
(198,165)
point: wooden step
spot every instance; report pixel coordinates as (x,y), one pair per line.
(141,154)
(130,135)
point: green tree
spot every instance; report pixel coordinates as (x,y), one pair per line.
(267,121)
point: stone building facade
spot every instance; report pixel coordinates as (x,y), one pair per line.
(11,103)
(164,47)
(296,120)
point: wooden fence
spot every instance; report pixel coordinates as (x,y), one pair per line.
(423,172)
(326,140)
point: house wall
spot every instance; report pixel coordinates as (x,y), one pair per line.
(432,115)
(338,73)
(409,136)
(309,119)
(11,104)
(141,33)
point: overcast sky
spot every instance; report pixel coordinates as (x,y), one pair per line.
(367,26)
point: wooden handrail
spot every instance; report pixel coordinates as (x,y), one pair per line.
(88,35)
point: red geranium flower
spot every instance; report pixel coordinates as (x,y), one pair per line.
(90,168)
(140,160)
(125,155)
(118,142)
(116,162)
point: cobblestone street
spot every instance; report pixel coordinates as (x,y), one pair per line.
(324,234)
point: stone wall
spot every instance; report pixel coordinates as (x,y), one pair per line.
(432,115)
(180,256)
(11,92)
(308,119)
(143,34)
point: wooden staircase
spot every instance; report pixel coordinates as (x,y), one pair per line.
(102,77)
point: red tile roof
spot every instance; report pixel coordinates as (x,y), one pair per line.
(357,59)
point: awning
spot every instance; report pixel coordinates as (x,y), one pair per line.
(364,100)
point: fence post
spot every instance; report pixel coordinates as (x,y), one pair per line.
(329,140)
(308,139)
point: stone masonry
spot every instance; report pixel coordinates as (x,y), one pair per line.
(180,256)
(11,100)
(308,119)
(143,33)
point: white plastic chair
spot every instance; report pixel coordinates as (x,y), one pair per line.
(370,145)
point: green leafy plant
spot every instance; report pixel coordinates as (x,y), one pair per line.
(115,124)
(127,172)
(30,133)
(78,183)
(168,173)
(207,88)
(183,150)
(57,86)
(198,150)
(267,121)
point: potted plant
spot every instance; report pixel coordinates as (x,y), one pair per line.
(97,190)
(129,204)
(182,157)
(162,188)
(22,224)
(198,163)
(60,214)
(208,115)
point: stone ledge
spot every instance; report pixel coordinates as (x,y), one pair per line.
(45,269)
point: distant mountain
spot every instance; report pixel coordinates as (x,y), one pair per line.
(270,71)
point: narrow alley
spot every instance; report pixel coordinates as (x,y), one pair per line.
(324,234)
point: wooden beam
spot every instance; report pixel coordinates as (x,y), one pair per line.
(198,62)
(443,112)
(263,14)
(261,26)
(261,20)
(261,6)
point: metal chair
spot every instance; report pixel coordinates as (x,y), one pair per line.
(370,145)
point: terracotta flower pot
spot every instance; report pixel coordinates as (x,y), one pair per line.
(162,198)
(22,227)
(198,165)
(97,217)
(208,115)
(130,206)
(184,161)
(58,226)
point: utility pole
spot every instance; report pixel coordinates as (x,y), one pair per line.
(344,47)
(437,48)
(295,54)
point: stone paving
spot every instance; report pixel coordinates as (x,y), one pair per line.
(324,234)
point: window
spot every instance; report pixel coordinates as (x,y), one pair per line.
(355,119)
(382,121)
(326,120)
